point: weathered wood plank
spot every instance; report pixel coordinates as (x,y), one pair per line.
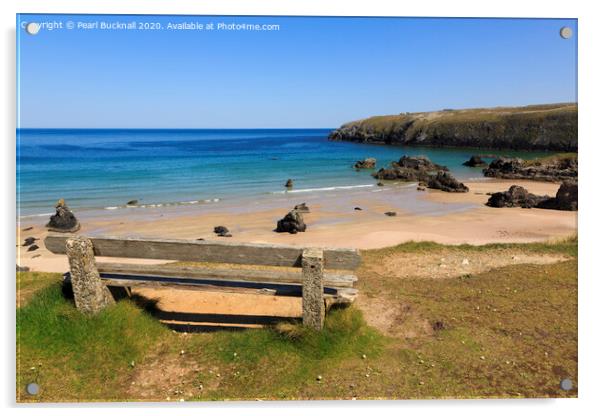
(331,295)
(267,276)
(208,251)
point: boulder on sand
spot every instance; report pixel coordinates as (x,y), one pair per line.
(63,220)
(516,196)
(475,162)
(368,163)
(291,223)
(29,241)
(567,196)
(446,182)
(222,231)
(565,199)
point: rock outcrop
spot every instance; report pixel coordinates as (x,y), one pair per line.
(534,127)
(63,220)
(475,162)
(368,163)
(409,168)
(553,168)
(291,223)
(446,182)
(566,198)
(516,196)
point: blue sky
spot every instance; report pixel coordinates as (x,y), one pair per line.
(313,72)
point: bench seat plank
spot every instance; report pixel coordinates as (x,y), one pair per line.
(208,251)
(336,295)
(267,276)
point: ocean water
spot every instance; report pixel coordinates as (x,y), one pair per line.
(106,168)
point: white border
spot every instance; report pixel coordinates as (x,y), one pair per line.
(590,138)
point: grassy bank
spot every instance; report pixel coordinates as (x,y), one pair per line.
(507,332)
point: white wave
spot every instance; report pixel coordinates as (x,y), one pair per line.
(36,215)
(164,204)
(328,188)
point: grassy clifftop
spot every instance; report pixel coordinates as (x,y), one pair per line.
(534,127)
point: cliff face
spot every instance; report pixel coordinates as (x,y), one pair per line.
(535,127)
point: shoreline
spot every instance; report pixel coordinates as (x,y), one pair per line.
(430,215)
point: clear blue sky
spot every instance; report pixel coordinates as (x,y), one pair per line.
(313,72)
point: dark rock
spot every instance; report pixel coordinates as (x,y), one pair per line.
(291,223)
(302,208)
(63,220)
(565,200)
(200,239)
(33,247)
(419,162)
(132,202)
(390,213)
(357,209)
(222,231)
(550,169)
(22,268)
(410,169)
(567,196)
(29,241)
(380,184)
(475,161)
(289,183)
(516,196)
(368,163)
(446,182)
(27,229)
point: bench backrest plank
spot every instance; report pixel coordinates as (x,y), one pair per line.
(208,251)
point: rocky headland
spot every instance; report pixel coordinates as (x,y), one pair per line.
(534,127)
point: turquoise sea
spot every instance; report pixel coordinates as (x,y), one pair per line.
(106,168)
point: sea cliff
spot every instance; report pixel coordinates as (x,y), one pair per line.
(534,127)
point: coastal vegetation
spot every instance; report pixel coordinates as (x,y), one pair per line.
(508,328)
(534,127)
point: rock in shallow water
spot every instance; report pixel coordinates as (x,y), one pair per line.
(63,220)
(368,163)
(475,161)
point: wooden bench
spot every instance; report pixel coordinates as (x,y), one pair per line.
(319,289)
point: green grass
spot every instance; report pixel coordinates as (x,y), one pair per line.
(521,319)
(74,357)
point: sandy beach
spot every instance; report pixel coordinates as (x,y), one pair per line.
(333,222)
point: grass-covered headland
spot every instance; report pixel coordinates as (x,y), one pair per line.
(533,127)
(508,332)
